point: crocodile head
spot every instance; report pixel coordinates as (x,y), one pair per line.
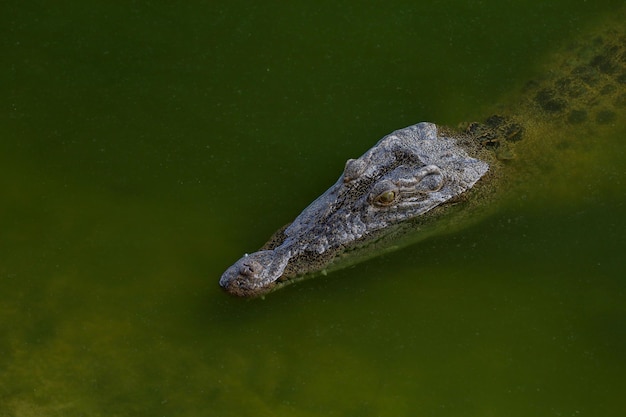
(406,174)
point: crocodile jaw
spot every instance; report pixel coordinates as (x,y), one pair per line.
(406,174)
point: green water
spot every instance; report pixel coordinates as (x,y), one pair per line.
(145,147)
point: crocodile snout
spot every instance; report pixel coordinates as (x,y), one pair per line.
(255,274)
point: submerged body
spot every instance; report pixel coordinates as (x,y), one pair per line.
(421,178)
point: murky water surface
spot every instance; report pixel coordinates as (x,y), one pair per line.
(145,147)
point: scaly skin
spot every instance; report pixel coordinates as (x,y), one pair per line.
(405,175)
(423,179)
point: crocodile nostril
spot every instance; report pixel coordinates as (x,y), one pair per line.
(250,268)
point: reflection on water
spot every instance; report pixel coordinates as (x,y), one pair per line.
(136,169)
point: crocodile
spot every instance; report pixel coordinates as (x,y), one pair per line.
(422,179)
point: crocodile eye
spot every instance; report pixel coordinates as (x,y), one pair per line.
(383,194)
(354,168)
(386,198)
